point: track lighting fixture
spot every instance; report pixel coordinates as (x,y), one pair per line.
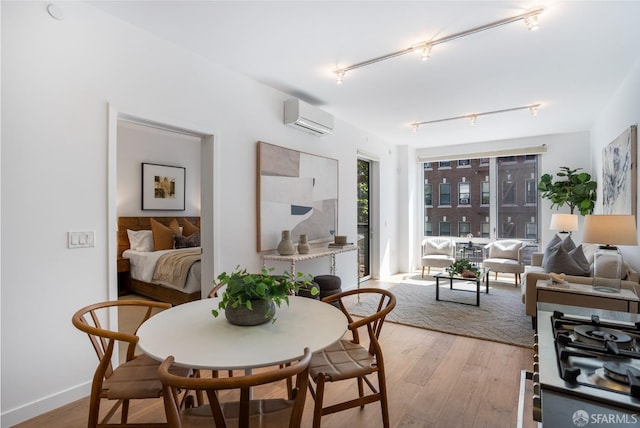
(424,48)
(473,117)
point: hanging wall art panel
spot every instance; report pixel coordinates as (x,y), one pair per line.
(620,174)
(297,191)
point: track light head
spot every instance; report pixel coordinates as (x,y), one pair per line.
(531,22)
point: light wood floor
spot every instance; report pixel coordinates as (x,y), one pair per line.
(433,380)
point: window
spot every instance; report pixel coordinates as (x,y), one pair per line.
(428,165)
(428,228)
(484,186)
(508,192)
(445,228)
(464,228)
(508,229)
(531,192)
(505,204)
(531,231)
(445,194)
(428,195)
(464,193)
(464,163)
(485,230)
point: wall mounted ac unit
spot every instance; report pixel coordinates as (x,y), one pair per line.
(306,117)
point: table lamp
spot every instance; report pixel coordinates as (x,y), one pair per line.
(564,223)
(609,230)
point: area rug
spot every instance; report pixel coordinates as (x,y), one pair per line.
(500,316)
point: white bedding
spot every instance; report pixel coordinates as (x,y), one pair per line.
(143,264)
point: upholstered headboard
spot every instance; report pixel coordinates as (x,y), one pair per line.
(144,223)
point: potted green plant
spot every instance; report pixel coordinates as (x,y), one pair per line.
(463,268)
(575,189)
(251,298)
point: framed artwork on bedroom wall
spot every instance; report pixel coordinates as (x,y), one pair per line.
(297,191)
(620,174)
(163,187)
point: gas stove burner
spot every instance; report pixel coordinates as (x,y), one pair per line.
(620,372)
(599,335)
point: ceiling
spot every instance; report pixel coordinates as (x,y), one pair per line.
(572,65)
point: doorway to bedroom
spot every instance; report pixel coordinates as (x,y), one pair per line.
(134,140)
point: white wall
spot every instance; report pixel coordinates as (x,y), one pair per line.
(622,111)
(59,79)
(139,144)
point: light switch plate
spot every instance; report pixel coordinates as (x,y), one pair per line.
(85,239)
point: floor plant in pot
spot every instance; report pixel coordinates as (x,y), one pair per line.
(251,298)
(573,188)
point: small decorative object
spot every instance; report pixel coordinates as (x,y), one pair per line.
(303,245)
(340,239)
(463,268)
(470,238)
(251,298)
(286,247)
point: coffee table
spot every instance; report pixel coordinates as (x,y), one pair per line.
(483,276)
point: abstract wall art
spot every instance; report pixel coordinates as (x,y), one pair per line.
(163,187)
(619,174)
(297,191)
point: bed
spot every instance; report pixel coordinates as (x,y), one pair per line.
(167,275)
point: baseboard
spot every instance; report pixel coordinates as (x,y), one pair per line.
(44,405)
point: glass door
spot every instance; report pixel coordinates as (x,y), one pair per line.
(364,217)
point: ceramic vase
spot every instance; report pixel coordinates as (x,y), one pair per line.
(303,245)
(286,247)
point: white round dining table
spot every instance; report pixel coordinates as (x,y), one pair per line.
(199,340)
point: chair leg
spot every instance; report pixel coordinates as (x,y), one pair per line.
(125,411)
(382,387)
(94,410)
(361,390)
(317,407)
(496,277)
(423,271)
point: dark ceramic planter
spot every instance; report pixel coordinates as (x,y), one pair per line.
(248,317)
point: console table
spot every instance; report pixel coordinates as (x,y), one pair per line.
(584,295)
(314,253)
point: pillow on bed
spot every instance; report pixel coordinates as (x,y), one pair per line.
(188,228)
(192,240)
(162,236)
(140,240)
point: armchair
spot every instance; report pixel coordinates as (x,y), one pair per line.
(437,252)
(505,256)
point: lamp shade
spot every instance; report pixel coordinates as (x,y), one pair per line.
(610,230)
(564,222)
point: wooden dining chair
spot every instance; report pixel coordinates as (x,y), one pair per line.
(135,378)
(245,413)
(349,359)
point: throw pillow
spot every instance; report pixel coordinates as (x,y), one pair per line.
(140,240)
(562,261)
(162,236)
(567,243)
(192,240)
(189,228)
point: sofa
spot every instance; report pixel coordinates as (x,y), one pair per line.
(535,271)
